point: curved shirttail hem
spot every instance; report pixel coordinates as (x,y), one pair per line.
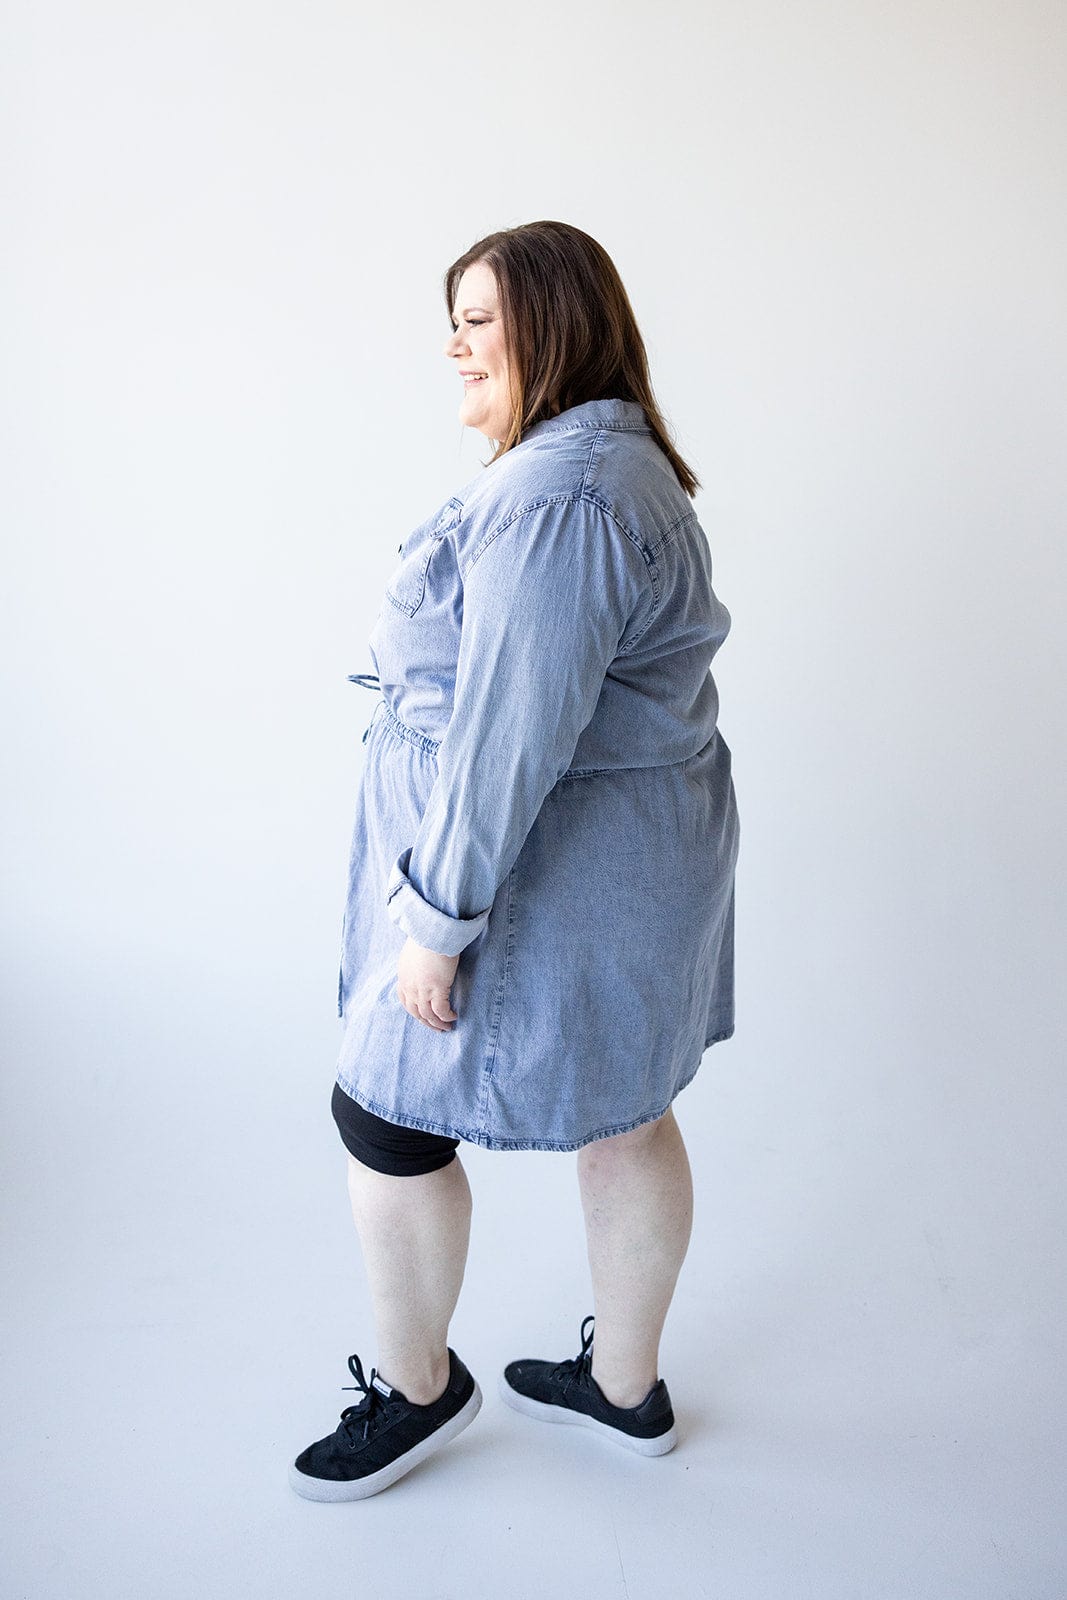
(488,1142)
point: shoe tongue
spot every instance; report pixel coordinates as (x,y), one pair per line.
(381,1386)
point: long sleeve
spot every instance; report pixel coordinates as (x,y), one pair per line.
(547,601)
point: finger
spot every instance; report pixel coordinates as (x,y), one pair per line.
(425,1014)
(409,1003)
(441,1005)
(420,1012)
(419,1008)
(432,1020)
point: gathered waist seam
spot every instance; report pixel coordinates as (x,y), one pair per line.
(422,741)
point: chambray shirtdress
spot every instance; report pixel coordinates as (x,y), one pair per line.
(545,793)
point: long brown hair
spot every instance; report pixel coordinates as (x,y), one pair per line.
(569,330)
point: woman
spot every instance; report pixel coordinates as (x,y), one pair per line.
(538,936)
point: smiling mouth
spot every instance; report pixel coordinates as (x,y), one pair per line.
(474,377)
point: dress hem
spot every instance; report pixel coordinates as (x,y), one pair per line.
(489,1141)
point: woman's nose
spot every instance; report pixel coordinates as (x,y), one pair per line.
(455,345)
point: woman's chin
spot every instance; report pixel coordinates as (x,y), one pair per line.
(471,417)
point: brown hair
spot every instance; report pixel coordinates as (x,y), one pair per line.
(569,330)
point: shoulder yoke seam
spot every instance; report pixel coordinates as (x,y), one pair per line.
(587,497)
(580,496)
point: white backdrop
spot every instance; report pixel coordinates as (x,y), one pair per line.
(842,227)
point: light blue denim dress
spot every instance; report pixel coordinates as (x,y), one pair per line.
(545,793)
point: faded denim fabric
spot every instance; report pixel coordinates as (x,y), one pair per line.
(546,793)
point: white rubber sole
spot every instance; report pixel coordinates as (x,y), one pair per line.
(546,1413)
(360,1488)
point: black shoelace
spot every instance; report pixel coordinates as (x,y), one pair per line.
(577,1369)
(361,1420)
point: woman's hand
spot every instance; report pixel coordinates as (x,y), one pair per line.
(424,979)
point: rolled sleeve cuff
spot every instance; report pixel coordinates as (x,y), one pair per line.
(429,926)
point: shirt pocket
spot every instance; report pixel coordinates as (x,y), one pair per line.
(407,585)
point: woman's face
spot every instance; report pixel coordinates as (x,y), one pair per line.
(477,348)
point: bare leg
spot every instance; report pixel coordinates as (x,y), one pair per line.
(414,1233)
(637,1195)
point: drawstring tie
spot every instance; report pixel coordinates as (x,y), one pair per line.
(367,680)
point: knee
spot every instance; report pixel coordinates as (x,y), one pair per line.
(631,1142)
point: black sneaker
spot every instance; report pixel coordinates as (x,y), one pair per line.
(566,1391)
(384,1436)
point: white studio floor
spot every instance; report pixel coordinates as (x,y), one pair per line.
(863,1362)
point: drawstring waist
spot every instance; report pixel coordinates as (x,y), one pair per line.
(422,741)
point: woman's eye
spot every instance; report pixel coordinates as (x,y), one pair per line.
(472,322)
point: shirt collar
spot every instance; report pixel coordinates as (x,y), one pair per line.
(627,416)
